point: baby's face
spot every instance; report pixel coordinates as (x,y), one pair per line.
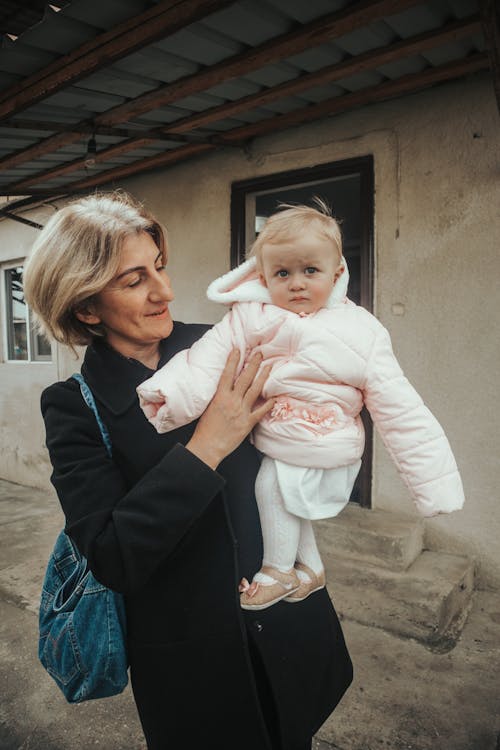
(300,274)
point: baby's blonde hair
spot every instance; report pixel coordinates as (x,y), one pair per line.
(290,221)
(76,255)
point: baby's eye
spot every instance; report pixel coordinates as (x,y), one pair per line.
(310,270)
(282,273)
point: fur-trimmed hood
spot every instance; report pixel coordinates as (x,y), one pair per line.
(243,284)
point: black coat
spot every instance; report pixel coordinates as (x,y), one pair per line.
(175,537)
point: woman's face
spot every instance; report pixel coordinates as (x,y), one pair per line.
(133,307)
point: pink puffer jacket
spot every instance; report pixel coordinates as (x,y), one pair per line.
(325,366)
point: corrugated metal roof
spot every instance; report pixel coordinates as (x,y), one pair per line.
(206,70)
(16,17)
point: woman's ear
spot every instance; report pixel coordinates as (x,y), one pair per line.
(86,314)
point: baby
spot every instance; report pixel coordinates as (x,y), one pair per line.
(329,357)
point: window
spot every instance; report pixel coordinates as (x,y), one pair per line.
(347,186)
(23,343)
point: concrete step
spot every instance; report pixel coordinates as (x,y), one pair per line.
(429,601)
(377,537)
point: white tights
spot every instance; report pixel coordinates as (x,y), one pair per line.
(287,538)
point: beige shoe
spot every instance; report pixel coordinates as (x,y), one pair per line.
(317,582)
(262,595)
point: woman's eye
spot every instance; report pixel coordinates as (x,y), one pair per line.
(135,281)
(161,268)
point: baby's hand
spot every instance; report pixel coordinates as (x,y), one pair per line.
(151,403)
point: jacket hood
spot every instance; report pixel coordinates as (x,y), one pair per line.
(242,284)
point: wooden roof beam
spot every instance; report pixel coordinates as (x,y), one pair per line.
(490,19)
(389,90)
(106,154)
(363,62)
(153,162)
(158,22)
(352,66)
(88,128)
(414,45)
(309,35)
(382,92)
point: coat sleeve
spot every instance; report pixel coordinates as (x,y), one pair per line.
(124,532)
(412,435)
(182,389)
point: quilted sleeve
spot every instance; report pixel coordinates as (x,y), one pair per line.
(181,390)
(412,435)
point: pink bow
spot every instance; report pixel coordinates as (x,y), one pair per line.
(250,589)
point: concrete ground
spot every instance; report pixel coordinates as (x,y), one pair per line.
(404,696)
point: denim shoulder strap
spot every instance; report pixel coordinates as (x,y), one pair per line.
(88,397)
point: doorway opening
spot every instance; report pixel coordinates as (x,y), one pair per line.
(347,187)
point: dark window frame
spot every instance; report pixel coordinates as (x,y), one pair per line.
(364,167)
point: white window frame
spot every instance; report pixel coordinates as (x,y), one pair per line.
(6,316)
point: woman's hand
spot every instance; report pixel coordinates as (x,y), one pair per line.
(232,413)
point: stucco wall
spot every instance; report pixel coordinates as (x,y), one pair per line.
(23,457)
(437,265)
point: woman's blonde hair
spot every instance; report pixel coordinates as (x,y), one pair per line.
(291,221)
(76,254)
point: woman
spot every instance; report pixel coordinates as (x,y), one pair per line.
(171,520)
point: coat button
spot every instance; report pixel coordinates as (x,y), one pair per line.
(258,626)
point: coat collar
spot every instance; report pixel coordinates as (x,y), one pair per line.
(113,378)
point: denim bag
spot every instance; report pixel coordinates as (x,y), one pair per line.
(82,625)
